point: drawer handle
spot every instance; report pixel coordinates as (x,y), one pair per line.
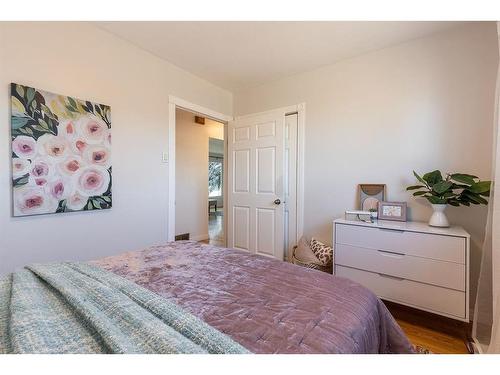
(391,277)
(391,253)
(393,230)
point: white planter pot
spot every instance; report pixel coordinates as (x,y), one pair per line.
(438,218)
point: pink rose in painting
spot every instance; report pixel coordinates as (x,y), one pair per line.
(93,181)
(40,168)
(92,129)
(76,201)
(57,189)
(53,146)
(32,201)
(24,147)
(40,181)
(71,165)
(67,129)
(98,155)
(20,167)
(79,145)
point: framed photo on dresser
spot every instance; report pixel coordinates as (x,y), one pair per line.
(392,211)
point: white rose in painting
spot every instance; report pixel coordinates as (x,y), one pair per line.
(92,129)
(98,155)
(76,201)
(71,165)
(20,167)
(56,147)
(93,180)
(24,147)
(33,201)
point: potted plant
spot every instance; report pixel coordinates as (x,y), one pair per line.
(373,213)
(455,189)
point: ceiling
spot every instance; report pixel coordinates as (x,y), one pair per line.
(237,55)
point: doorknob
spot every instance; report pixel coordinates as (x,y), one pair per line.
(277,201)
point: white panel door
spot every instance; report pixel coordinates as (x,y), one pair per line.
(255,184)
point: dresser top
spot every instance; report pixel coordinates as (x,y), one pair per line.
(410,226)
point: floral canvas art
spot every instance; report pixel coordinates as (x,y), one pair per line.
(61,153)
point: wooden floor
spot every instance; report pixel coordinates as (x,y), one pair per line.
(438,334)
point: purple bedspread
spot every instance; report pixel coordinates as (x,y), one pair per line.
(268,306)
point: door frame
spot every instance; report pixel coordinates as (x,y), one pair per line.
(175,102)
(178,103)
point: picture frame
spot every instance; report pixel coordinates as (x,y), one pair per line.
(370,195)
(395,211)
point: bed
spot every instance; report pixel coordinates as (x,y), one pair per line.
(187,297)
(267,306)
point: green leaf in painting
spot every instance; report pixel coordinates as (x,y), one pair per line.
(18,122)
(17,106)
(72,102)
(20,181)
(20,90)
(30,94)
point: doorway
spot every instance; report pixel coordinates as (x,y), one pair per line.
(199,182)
(216,192)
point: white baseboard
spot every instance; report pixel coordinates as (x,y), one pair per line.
(200,237)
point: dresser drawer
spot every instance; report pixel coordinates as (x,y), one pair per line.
(423,296)
(431,271)
(447,248)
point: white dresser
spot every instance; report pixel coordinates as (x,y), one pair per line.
(409,263)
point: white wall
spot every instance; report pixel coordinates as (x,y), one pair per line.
(191,173)
(80,60)
(423,105)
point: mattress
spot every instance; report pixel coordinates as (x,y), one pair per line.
(266,305)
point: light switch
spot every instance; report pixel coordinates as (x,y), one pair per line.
(164,157)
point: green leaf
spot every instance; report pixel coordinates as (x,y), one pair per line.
(43,124)
(433,177)
(89,205)
(442,186)
(420,179)
(18,122)
(436,200)
(30,94)
(464,178)
(415,187)
(21,180)
(419,193)
(474,198)
(72,102)
(20,90)
(17,107)
(480,187)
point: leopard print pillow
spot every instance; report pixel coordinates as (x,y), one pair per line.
(323,252)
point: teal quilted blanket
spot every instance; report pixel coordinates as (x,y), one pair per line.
(80,308)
